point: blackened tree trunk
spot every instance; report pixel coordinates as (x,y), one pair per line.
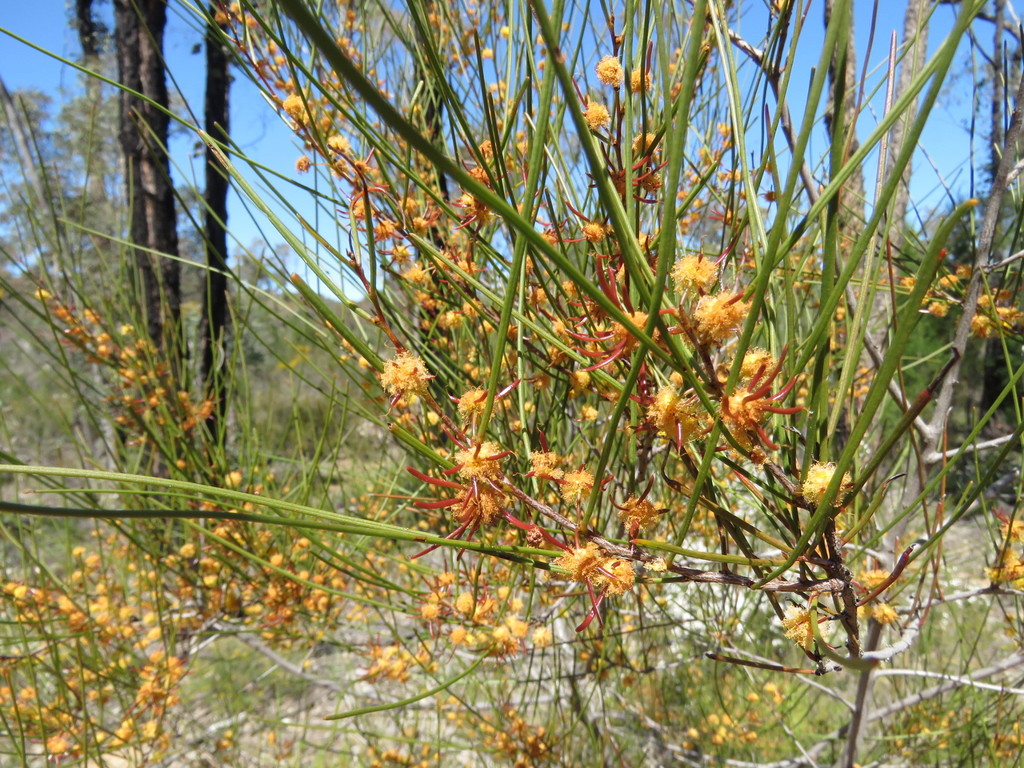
(89,32)
(215,309)
(143,134)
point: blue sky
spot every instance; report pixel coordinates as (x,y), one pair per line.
(254,126)
(946,137)
(261,133)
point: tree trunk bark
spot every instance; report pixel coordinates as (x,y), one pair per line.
(213,327)
(89,33)
(143,135)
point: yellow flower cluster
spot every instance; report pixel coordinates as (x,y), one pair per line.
(639,80)
(756,362)
(1010,570)
(589,564)
(597,116)
(295,107)
(719,316)
(797,623)
(146,392)
(406,373)
(480,461)
(393,662)
(576,486)
(546,464)
(610,72)
(693,273)
(677,418)
(1012,530)
(595,231)
(818,478)
(472,403)
(639,514)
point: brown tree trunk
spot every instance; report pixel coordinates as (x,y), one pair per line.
(143,135)
(215,309)
(89,33)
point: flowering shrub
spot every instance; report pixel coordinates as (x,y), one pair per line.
(587,383)
(622,350)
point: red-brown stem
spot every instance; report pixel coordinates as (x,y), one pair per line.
(590,339)
(441,504)
(901,564)
(785,390)
(760,664)
(432,480)
(607,283)
(595,611)
(778,409)
(453,535)
(503,392)
(616,352)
